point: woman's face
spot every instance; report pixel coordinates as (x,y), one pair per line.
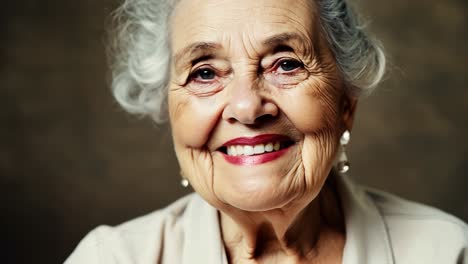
(255,101)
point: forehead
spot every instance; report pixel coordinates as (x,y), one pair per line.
(224,21)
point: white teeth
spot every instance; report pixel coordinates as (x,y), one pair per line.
(240,150)
(233,150)
(276,146)
(248,150)
(259,149)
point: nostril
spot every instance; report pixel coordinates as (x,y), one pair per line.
(231,120)
(249,107)
(264,118)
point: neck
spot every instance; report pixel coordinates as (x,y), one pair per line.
(294,232)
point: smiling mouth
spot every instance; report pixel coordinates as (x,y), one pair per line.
(248,151)
(256,149)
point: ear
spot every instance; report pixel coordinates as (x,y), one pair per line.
(349,108)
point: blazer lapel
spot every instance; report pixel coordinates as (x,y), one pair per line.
(202,240)
(367,237)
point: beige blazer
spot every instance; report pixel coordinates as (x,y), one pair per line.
(380,228)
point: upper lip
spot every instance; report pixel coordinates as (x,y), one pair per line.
(260,139)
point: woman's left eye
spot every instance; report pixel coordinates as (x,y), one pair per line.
(286,72)
(289,65)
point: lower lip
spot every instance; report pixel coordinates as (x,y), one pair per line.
(255,159)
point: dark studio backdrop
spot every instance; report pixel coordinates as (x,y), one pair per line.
(71,159)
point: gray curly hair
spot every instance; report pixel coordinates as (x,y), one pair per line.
(140,53)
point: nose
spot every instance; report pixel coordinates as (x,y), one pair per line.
(247,105)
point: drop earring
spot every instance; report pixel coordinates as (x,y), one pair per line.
(343,163)
(183,181)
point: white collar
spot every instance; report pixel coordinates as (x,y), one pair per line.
(202,229)
(367,236)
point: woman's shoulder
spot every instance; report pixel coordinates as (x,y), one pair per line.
(384,228)
(395,208)
(141,240)
(416,229)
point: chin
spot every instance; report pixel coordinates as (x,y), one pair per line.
(261,193)
(258,203)
(262,187)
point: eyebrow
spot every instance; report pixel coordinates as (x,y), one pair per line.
(288,38)
(198,50)
(195,51)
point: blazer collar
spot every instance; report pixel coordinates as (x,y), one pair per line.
(202,241)
(367,237)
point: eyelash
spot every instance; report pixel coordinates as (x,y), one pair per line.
(194,75)
(277,65)
(204,87)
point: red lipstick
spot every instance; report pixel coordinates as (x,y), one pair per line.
(256,159)
(261,139)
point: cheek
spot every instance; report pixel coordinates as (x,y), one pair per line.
(314,110)
(192,119)
(311,110)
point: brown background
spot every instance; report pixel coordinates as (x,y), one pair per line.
(70,159)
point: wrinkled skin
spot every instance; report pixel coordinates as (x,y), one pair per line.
(260,67)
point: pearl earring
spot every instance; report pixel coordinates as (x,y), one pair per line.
(343,164)
(184,182)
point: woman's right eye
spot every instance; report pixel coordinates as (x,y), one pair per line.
(205,81)
(203,75)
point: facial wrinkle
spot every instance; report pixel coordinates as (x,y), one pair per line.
(284,184)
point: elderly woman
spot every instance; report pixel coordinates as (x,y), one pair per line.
(261,97)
